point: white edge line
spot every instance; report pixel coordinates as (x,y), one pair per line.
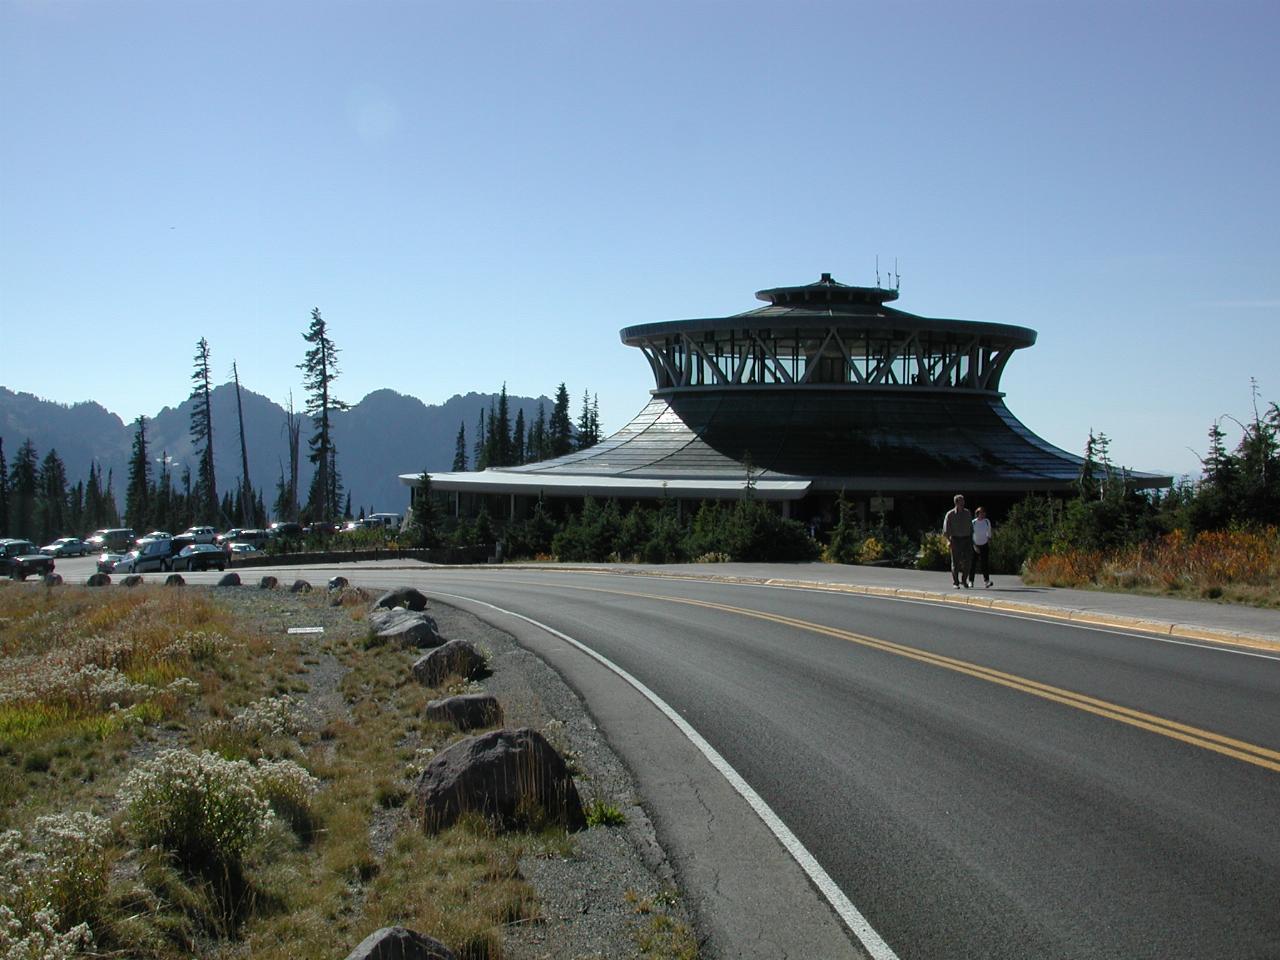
(853,919)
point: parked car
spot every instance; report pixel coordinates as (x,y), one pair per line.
(107,561)
(112,539)
(200,534)
(240,550)
(286,531)
(149,555)
(20,559)
(66,547)
(200,556)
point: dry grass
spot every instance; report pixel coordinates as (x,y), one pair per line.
(1239,566)
(97,681)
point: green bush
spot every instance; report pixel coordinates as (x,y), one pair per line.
(934,553)
(202,808)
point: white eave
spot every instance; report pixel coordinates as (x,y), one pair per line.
(586,485)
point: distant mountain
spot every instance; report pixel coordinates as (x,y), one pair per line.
(379,438)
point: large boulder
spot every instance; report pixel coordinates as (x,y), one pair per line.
(229,580)
(337,583)
(455,658)
(467,711)
(174,580)
(514,778)
(406,597)
(400,943)
(408,629)
(268,583)
(300,586)
(132,580)
(98,580)
(53,579)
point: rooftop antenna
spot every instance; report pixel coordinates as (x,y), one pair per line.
(877,270)
(897,279)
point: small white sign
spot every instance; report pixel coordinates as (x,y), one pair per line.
(306,630)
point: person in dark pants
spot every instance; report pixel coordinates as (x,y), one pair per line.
(982,545)
(957,527)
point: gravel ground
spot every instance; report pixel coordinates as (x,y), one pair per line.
(616,883)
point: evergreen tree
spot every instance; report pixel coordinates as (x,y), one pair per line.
(460,449)
(346,512)
(110,509)
(517,440)
(23,489)
(4,492)
(92,499)
(137,495)
(320,370)
(75,508)
(479,448)
(538,437)
(206,492)
(589,421)
(51,498)
(500,429)
(559,429)
(423,530)
(162,505)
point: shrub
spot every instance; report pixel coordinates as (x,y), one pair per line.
(200,807)
(872,550)
(289,790)
(52,884)
(934,553)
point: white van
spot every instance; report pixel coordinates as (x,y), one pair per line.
(392,520)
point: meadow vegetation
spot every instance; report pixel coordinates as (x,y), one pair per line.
(179,779)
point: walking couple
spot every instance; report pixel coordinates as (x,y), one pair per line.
(969,537)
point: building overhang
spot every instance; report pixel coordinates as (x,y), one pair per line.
(586,485)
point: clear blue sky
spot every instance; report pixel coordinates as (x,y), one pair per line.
(475,191)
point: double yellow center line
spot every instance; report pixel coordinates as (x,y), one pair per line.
(1227,746)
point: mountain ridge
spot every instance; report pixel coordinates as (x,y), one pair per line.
(385,434)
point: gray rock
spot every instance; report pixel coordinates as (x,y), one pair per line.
(300,586)
(400,943)
(406,597)
(514,778)
(174,580)
(467,711)
(229,580)
(337,583)
(412,630)
(455,658)
(132,580)
(268,583)
(53,579)
(98,580)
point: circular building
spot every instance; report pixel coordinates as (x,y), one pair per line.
(823,390)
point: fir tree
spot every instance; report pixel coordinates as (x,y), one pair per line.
(422,530)
(478,448)
(517,440)
(92,499)
(500,429)
(320,370)
(137,495)
(51,498)
(206,492)
(538,437)
(559,429)
(4,491)
(23,488)
(460,449)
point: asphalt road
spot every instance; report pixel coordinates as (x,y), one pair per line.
(977,785)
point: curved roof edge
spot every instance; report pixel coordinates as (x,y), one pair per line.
(585,485)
